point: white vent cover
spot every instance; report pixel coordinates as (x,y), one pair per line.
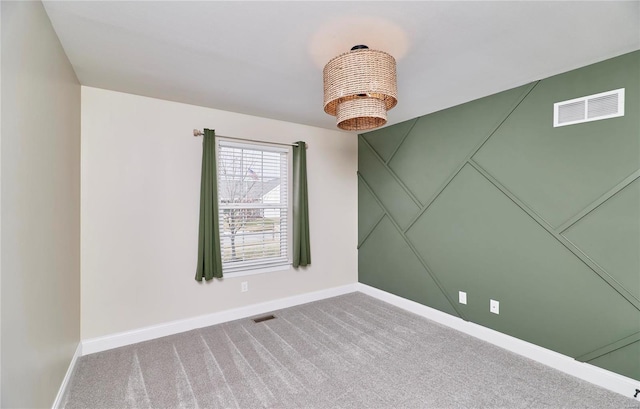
(595,107)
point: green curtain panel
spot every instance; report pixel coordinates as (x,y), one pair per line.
(301,245)
(209,257)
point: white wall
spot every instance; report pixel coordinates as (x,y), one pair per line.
(40,209)
(140,203)
(0,206)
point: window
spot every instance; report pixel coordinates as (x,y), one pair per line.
(253,187)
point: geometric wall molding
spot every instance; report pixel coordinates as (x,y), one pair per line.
(605,378)
(387,280)
(514,98)
(611,237)
(521,94)
(622,360)
(386,141)
(453,236)
(607,349)
(385,249)
(598,202)
(369,213)
(557,172)
(393,195)
(588,261)
(491,207)
(450,141)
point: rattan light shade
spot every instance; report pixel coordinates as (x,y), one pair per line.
(359,88)
(362,113)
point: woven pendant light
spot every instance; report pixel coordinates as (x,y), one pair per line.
(360,87)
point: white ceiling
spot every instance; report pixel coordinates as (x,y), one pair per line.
(266,58)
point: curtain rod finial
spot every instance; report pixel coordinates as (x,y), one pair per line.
(197,133)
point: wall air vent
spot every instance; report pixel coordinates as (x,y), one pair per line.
(595,107)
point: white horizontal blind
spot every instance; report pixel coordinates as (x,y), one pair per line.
(253,199)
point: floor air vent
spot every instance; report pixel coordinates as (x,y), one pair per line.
(264,318)
(595,107)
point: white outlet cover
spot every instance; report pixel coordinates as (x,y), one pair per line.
(462,297)
(494,306)
(244,286)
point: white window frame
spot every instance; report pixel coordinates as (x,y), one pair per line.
(237,269)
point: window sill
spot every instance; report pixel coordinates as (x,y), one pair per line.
(254,271)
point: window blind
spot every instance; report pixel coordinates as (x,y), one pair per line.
(253,194)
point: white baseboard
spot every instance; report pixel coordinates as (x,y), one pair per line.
(93,345)
(67,377)
(590,373)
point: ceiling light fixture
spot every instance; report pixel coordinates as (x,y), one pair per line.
(360,87)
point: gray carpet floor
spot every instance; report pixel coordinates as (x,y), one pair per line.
(351,351)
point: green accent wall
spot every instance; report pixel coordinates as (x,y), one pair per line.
(489,198)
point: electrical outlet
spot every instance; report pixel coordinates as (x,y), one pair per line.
(462,297)
(244,286)
(494,306)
